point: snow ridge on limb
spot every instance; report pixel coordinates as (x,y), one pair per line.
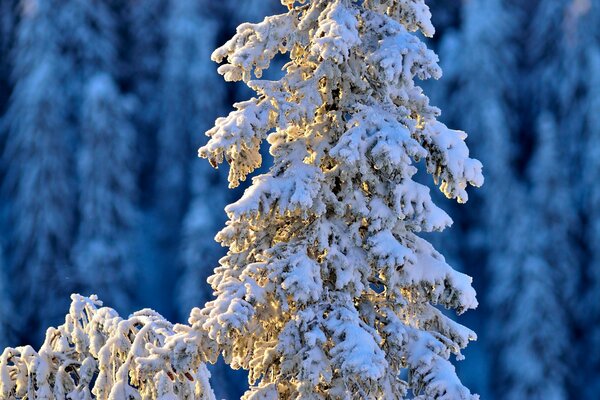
(327,291)
(97,354)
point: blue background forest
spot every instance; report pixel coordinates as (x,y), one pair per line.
(104,103)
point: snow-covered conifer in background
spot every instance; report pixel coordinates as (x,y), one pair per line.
(145,21)
(7,23)
(551,53)
(250,10)
(106,155)
(8,17)
(590,308)
(6,311)
(325,260)
(97,354)
(573,99)
(89,40)
(587,28)
(529,279)
(192,98)
(40,177)
(107,172)
(480,64)
(190,101)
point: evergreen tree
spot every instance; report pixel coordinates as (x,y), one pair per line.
(107,166)
(324,255)
(40,173)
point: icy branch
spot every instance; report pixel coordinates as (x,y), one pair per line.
(97,354)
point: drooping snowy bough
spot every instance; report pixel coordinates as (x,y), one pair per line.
(328,291)
(96,354)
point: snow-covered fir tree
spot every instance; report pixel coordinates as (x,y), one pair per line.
(40,173)
(325,260)
(107,166)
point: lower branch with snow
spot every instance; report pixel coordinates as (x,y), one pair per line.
(97,354)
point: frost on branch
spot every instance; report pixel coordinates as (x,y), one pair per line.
(97,354)
(327,291)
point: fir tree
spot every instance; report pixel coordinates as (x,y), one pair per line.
(324,255)
(40,172)
(107,166)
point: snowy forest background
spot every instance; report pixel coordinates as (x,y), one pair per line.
(104,103)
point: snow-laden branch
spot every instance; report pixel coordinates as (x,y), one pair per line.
(97,354)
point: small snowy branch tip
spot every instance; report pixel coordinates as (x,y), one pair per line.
(96,354)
